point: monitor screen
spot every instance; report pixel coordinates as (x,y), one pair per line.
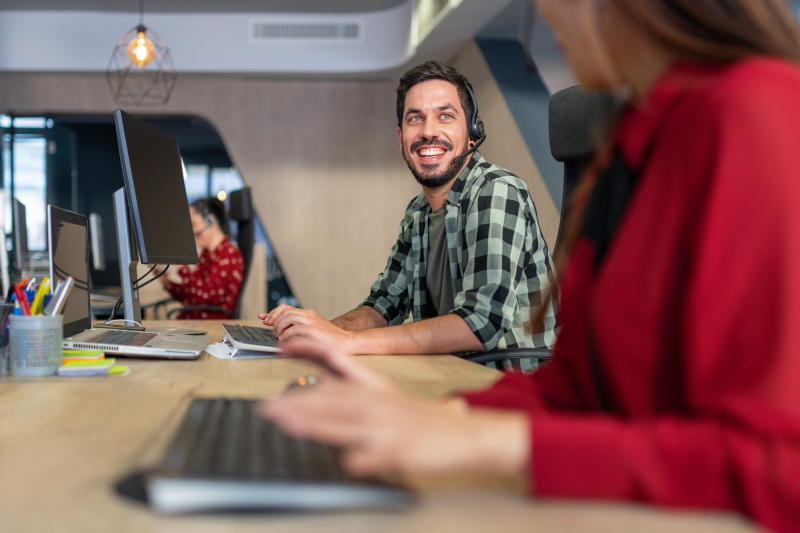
(20,242)
(68,240)
(156,194)
(96,236)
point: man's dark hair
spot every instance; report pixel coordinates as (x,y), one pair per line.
(433,70)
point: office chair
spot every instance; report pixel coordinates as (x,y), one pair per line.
(241,211)
(579,122)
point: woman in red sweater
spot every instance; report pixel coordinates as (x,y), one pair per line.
(676,377)
(217,279)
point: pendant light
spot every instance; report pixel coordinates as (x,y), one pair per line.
(140,71)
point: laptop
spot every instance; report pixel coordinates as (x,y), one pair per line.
(67,236)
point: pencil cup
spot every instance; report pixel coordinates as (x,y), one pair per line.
(35,344)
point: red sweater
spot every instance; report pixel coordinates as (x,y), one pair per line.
(696,310)
(216,280)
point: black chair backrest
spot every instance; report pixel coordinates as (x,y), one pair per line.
(241,210)
(579,123)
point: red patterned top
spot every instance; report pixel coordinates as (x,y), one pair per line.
(217,280)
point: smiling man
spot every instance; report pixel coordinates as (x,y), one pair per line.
(470,263)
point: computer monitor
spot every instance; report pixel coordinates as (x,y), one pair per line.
(19,225)
(4,266)
(96,238)
(152,211)
(68,244)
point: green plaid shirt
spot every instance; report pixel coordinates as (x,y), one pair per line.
(499,261)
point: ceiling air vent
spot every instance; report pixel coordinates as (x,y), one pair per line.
(271,31)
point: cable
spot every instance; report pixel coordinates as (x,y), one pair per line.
(147,274)
(152,280)
(136,287)
(119,300)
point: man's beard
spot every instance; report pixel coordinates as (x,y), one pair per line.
(430,179)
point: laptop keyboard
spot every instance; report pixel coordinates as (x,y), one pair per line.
(228,439)
(121,338)
(251,335)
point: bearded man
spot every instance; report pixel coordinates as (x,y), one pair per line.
(470,263)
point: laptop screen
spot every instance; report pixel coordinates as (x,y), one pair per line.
(67,235)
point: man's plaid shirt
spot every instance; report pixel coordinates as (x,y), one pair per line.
(499,261)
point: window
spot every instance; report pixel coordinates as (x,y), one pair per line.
(29,186)
(203,181)
(196,182)
(225,180)
(29,175)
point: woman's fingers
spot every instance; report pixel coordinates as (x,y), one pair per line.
(334,361)
(327,412)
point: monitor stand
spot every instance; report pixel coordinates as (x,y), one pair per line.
(128,262)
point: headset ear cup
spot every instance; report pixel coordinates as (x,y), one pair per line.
(479,128)
(208,220)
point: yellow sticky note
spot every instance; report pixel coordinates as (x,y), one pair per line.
(119,370)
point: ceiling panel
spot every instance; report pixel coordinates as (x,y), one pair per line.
(205,6)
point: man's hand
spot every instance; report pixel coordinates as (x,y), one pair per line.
(364,331)
(383,429)
(305,323)
(269,318)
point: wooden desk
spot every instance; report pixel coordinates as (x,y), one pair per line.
(65,441)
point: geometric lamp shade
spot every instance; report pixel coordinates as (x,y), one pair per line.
(140,71)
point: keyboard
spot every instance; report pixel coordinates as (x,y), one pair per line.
(225,457)
(251,336)
(121,338)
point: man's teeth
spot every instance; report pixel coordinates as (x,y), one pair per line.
(431,151)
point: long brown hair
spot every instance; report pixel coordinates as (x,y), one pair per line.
(706,31)
(714,31)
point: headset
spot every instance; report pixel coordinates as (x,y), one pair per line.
(475,127)
(208,217)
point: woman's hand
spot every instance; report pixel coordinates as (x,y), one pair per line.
(383,429)
(337,365)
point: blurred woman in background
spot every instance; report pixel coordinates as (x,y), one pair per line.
(675,378)
(217,279)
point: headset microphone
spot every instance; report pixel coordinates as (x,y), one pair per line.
(460,158)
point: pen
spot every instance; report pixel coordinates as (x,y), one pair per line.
(23,301)
(36,306)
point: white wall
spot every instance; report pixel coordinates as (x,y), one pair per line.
(505,145)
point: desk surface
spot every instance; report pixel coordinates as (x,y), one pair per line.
(65,441)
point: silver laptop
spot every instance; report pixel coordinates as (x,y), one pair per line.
(67,235)
(139,343)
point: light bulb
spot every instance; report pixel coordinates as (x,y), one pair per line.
(141,50)
(221,195)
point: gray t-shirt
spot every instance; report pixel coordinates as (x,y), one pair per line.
(440,285)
